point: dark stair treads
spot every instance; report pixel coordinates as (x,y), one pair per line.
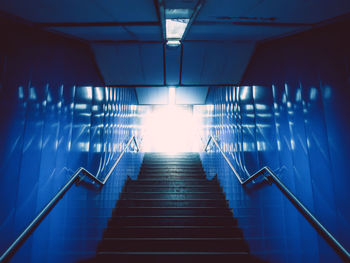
(164,163)
(173,182)
(173,231)
(172,195)
(180,211)
(172,213)
(172,220)
(175,257)
(177,174)
(173,168)
(169,176)
(172,203)
(174,189)
(174,244)
(172,172)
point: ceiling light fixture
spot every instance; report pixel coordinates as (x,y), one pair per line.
(175,28)
(173,43)
(175,24)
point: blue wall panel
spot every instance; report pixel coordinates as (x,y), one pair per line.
(293,117)
(61,133)
(273,126)
(317,63)
(55,117)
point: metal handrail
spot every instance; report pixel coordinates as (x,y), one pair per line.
(272,178)
(76,178)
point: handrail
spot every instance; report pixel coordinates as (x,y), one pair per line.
(272,178)
(50,205)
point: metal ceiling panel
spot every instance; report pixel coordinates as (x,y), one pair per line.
(180,4)
(215,63)
(145,33)
(80,11)
(114,33)
(152,95)
(191,95)
(130,63)
(237,32)
(96,33)
(298,11)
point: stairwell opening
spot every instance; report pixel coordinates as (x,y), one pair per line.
(171,128)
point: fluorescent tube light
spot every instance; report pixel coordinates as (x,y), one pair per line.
(175,28)
(173,43)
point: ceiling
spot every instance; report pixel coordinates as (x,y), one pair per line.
(127,36)
(100,20)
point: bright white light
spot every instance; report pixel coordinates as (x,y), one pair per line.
(244,93)
(260,106)
(175,28)
(249,107)
(80,106)
(171,129)
(85,92)
(173,43)
(171,96)
(98,93)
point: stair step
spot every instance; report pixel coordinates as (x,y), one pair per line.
(184,189)
(158,161)
(173,231)
(172,220)
(172,213)
(171,170)
(178,211)
(165,165)
(175,257)
(171,167)
(173,182)
(153,156)
(149,161)
(171,203)
(180,174)
(167,176)
(171,196)
(172,177)
(173,244)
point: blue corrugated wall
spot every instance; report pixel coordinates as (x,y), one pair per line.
(53,121)
(293,117)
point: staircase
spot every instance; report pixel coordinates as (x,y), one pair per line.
(172,213)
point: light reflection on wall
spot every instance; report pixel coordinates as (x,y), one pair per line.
(48,132)
(282,127)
